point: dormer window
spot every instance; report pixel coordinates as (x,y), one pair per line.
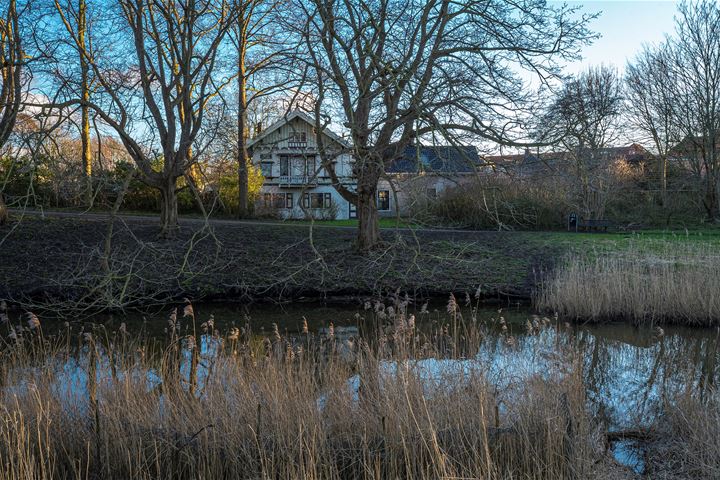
(297,140)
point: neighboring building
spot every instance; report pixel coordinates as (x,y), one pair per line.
(424,173)
(551,164)
(296,185)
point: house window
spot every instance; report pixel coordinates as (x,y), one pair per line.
(383,200)
(317,200)
(310,166)
(266,169)
(284,165)
(278,200)
(297,140)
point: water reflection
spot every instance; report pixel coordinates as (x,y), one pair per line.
(628,372)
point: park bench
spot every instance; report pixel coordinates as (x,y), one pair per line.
(594,224)
(575,223)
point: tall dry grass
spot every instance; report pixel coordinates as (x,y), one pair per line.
(687,441)
(404,404)
(673,282)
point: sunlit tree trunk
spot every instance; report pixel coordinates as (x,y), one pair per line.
(242,131)
(87,160)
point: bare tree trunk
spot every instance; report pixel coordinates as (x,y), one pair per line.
(85,109)
(243,180)
(168,209)
(3,211)
(368,219)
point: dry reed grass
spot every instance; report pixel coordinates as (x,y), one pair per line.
(86,405)
(672,282)
(687,443)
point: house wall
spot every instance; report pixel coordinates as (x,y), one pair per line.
(300,180)
(409,192)
(338,210)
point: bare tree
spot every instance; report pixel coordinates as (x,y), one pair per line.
(11,75)
(398,71)
(155,87)
(651,106)
(585,117)
(259,46)
(74,16)
(693,64)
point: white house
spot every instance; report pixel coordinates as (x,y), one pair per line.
(296,185)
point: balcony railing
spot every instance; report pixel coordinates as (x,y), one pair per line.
(297,180)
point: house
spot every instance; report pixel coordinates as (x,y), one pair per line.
(296,185)
(423,173)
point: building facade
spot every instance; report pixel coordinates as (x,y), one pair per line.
(296,185)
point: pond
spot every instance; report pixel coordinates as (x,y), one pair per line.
(628,371)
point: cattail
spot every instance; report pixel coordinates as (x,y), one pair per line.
(411,322)
(234,334)
(172,319)
(452,305)
(276,332)
(33,322)
(267,346)
(188,310)
(331,330)
(305,329)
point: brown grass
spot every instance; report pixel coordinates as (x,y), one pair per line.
(673,282)
(85,406)
(687,443)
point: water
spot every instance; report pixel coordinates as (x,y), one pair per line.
(628,371)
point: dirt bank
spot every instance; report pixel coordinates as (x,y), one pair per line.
(60,260)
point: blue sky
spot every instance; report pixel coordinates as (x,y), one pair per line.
(625,25)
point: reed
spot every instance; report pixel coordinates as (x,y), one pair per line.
(672,282)
(400,403)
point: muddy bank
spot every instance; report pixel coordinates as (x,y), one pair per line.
(66,261)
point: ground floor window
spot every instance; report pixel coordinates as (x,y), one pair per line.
(278,200)
(383,199)
(317,200)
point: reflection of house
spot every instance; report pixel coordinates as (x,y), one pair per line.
(295,182)
(423,173)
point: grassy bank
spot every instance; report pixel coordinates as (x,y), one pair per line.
(656,280)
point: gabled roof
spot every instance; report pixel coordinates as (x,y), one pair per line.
(290,117)
(437,159)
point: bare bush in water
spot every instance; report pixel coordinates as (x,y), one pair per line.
(672,282)
(408,404)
